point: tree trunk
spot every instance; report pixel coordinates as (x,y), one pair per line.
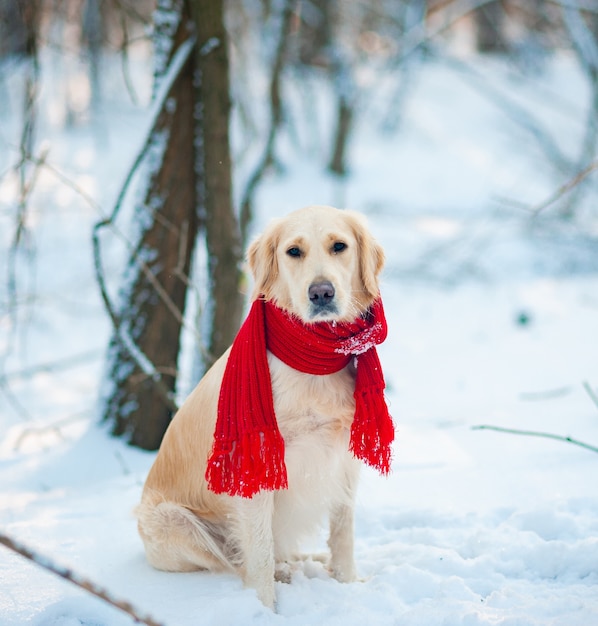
(144,350)
(222,229)
(338,161)
(346,93)
(189,186)
(489,22)
(315,32)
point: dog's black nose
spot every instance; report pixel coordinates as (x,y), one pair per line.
(321,294)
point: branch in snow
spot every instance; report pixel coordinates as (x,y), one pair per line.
(75,579)
(533,433)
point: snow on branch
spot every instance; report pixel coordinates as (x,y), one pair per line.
(74,578)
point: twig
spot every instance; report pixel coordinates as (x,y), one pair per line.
(584,5)
(14,402)
(590,392)
(563,189)
(52,428)
(125,59)
(74,578)
(532,433)
(545,395)
(53,366)
(447,14)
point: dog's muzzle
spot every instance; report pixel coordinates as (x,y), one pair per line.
(321,297)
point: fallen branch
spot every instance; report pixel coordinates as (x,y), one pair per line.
(533,433)
(76,579)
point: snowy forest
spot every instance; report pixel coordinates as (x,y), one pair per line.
(144,143)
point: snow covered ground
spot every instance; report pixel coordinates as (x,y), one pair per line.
(493,321)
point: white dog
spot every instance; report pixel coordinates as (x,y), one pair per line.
(320,266)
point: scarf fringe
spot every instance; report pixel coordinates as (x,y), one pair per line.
(244,467)
(372,430)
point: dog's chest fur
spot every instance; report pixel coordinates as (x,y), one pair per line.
(307,403)
(314,415)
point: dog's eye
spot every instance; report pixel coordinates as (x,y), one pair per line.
(339,246)
(294,252)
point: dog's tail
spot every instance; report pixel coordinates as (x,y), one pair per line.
(177,539)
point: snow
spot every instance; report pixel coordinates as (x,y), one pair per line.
(493,320)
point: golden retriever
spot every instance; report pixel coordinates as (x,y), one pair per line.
(321,264)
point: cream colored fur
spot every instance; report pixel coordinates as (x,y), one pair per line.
(184,526)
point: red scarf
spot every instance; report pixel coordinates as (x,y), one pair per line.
(248,450)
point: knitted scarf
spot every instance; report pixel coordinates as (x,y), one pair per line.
(248,449)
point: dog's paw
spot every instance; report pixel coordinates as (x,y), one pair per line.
(267,596)
(284,572)
(343,573)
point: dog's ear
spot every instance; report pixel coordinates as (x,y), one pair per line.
(371,255)
(263,263)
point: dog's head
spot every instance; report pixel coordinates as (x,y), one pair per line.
(320,263)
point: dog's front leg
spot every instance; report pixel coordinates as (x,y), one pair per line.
(342,564)
(257,544)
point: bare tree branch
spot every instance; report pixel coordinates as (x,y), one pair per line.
(515,111)
(545,395)
(564,189)
(585,45)
(591,393)
(54,366)
(74,578)
(55,427)
(583,5)
(532,433)
(14,402)
(275,118)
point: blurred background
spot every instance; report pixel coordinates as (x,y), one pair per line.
(143,144)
